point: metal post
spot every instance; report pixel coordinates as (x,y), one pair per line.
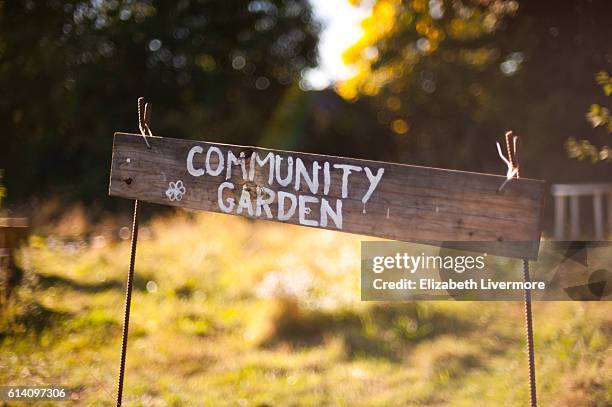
(128,301)
(144,118)
(529,332)
(512,144)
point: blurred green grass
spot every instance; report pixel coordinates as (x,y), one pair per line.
(228,311)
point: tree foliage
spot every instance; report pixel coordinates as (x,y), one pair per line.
(598,116)
(428,59)
(402,39)
(71,72)
(448,77)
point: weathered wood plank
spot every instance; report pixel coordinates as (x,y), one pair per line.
(393,201)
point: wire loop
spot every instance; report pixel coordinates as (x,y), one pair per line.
(144,118)
(511,162)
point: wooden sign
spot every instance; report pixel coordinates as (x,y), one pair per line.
(393,201)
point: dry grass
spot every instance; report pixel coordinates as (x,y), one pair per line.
(232,312)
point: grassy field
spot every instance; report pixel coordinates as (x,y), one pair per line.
(231,312)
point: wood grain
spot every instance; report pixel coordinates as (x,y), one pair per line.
(410,203)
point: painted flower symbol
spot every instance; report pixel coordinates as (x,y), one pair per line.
(176,190)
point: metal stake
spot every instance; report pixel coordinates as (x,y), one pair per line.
(512,148)
(128,301)
(144,116)
(529,330)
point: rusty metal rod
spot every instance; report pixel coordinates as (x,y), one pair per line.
(529,330)
(128,301)
(512,148)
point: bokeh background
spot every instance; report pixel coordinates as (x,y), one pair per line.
(231,311)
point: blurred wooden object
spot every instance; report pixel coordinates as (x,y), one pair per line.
(12,231)
(597,191)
